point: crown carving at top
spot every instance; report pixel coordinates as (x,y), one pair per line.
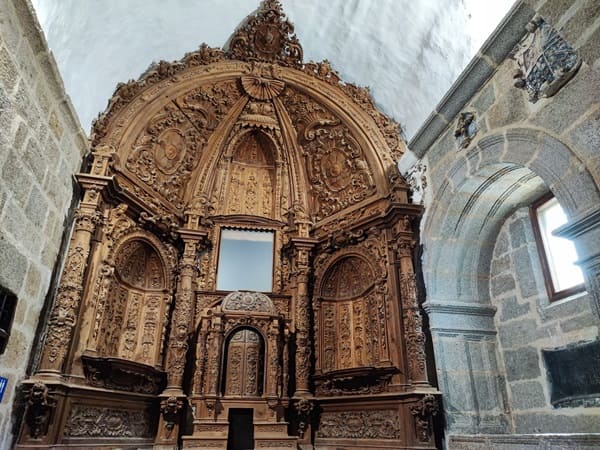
(267,36)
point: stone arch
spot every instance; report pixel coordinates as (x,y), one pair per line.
(506,170)
(502,172)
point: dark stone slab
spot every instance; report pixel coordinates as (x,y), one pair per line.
(574,374)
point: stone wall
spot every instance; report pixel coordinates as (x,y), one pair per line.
(527,322)
(488,310)
(41,147)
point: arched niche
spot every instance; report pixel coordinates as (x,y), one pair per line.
(347,316)
(243,363)
(250,177)
(133,316)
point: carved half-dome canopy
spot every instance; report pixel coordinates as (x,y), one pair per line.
(189,130)
(247,302)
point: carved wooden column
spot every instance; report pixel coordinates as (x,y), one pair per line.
(411,316)
(182,320)
(65,311)
(214,347)
(303,248)
(181,327)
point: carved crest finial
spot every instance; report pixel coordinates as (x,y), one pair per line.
(267,36)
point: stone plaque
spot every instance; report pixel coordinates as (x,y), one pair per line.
(574,374)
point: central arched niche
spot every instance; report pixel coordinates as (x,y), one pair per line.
(250,177)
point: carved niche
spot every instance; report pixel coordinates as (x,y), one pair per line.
(251,185)
(346,306)
(133,318)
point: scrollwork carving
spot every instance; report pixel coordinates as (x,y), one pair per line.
(93,421)
(267,36)
(370,424)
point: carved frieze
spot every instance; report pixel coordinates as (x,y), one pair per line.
(96,422)
(369,424)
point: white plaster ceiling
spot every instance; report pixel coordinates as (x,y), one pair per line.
(408,51)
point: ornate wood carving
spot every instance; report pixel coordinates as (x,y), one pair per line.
(267,36)
(94,422)
(246,138)
(244,361)
(370,424)
(40,405)
(423,412)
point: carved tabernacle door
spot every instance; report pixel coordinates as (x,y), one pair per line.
(148,344)
(245,360)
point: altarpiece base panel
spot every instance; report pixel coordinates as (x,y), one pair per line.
(143,350)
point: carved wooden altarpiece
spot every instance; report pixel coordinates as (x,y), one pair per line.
(141,350)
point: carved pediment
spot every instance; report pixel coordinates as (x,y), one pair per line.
(267,36)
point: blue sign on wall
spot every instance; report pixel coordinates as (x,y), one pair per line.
(3,383)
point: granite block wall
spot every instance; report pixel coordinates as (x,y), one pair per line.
(528,322)
(41,147)
(487,305)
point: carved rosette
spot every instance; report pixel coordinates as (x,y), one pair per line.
(263,81)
